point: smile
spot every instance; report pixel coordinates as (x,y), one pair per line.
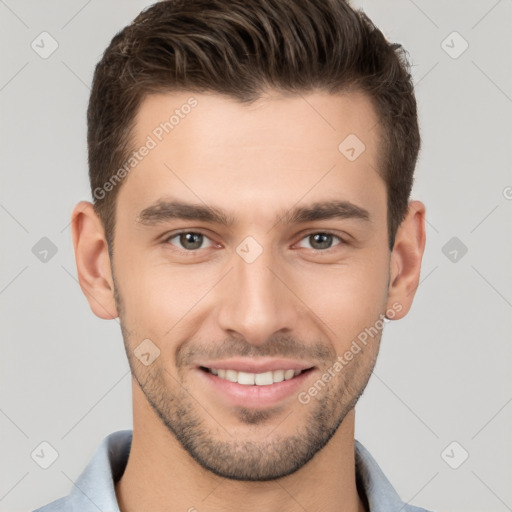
(254,379)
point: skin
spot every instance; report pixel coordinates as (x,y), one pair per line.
(296,299)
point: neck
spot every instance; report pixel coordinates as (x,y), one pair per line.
(160,475)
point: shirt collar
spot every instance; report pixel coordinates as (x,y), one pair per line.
(94,489)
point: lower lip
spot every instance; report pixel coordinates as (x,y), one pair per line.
(253,395)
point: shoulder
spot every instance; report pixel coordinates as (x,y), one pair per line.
(378,490)
(94,489)
(411,508)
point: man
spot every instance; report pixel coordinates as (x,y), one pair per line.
(251,165)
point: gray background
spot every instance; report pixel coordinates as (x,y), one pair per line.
(444,370)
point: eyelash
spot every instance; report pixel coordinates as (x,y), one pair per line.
(195,251)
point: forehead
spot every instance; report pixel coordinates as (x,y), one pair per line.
(274,151)
(308,122)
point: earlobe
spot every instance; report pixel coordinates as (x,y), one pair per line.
(405,264)
(93,261)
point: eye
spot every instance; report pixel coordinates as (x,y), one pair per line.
(322,240)
(189,240)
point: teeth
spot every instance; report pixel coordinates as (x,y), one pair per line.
(231,375)
(258,379)
(245,378)
(264,379)
(278,375)
(288,374)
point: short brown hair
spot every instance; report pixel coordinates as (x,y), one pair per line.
(242,49)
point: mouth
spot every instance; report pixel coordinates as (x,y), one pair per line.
(255,379)
(253,384)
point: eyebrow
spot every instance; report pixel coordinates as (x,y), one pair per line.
(168,209)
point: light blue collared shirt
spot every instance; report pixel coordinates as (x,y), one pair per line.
(94,489)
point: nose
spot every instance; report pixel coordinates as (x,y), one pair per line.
(257,300)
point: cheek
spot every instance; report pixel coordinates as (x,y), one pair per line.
(158,297)
(348,298)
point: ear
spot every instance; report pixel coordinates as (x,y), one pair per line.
(405,262)
(93,261)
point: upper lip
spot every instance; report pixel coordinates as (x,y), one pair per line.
(256,365)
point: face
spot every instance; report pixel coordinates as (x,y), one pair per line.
(251,251)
